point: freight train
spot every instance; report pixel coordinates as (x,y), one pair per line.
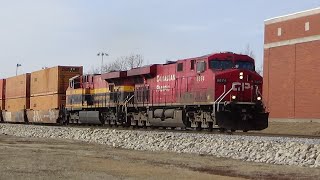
(215,91)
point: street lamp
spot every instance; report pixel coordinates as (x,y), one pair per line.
(102,54)
(18,65)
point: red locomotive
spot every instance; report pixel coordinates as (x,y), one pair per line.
(220,90)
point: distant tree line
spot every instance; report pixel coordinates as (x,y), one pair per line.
(122,63)
(248,51)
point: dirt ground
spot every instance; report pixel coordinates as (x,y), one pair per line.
(30,158)
(293,128)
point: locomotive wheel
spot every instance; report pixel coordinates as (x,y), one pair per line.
(109,123)
(144,124)
(137,125)
(210,128)
(198,128)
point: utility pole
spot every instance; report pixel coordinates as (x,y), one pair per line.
(102,54)
(18,65)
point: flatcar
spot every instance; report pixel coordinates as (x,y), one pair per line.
(219,90)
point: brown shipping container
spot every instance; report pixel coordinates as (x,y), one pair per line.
(2,88)
(53,80)
(14,105)
(47,102)
(2,104)
(18,86)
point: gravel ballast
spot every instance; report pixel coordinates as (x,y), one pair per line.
(273,150)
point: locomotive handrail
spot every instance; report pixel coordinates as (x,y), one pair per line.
(224,90)
(128,99)
(124,107)
(224,97)
(214,103)
(257,91)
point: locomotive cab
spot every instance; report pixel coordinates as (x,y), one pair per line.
(74,93)
(238,104)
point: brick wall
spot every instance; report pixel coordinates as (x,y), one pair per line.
(292,67)
(292,29)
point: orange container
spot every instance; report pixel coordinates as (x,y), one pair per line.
(53,80)
(53,101)
(18,86)
(2,104)
(2,88)
(17,104)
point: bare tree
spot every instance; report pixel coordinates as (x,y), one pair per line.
(124,63)
(259,70)
(134,61)
(248,51)
(93,70)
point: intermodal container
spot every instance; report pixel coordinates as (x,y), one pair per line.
(18,87)
(17,104)
(47,102)
(2,104)
(53,80)
(2,88)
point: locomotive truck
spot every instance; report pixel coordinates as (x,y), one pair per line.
(219,90)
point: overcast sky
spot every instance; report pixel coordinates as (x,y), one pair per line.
(39,33)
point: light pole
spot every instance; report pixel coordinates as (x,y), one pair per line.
(102,54)
(18,65)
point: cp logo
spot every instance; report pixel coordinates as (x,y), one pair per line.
(237,86)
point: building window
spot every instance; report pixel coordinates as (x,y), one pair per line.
(192,64)
(180,67)
(279,31)
(307,26)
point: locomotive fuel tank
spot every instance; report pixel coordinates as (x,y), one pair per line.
(166,118)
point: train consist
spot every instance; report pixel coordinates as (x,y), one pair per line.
(220,90)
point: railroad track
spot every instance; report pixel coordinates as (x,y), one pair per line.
(178,130)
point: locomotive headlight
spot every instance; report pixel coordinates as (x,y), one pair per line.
(259,98)
(241,75)
(233,97)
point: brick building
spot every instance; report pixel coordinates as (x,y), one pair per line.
(292,66)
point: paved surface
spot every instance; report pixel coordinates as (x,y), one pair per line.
(293,128)
(31,158)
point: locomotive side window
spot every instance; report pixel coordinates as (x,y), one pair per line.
(192,64)
(75,83)
(111,87)
(180,67)
(201,66)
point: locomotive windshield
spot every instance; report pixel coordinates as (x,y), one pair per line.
(217,64)
(228,64)
(245,65)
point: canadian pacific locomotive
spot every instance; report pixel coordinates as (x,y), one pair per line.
(220,90)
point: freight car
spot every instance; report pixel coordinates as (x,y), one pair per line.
(36,97)
(220,90)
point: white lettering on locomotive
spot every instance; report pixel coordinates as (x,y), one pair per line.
(163,88)
(200,78)
(237,86)
(166,78)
